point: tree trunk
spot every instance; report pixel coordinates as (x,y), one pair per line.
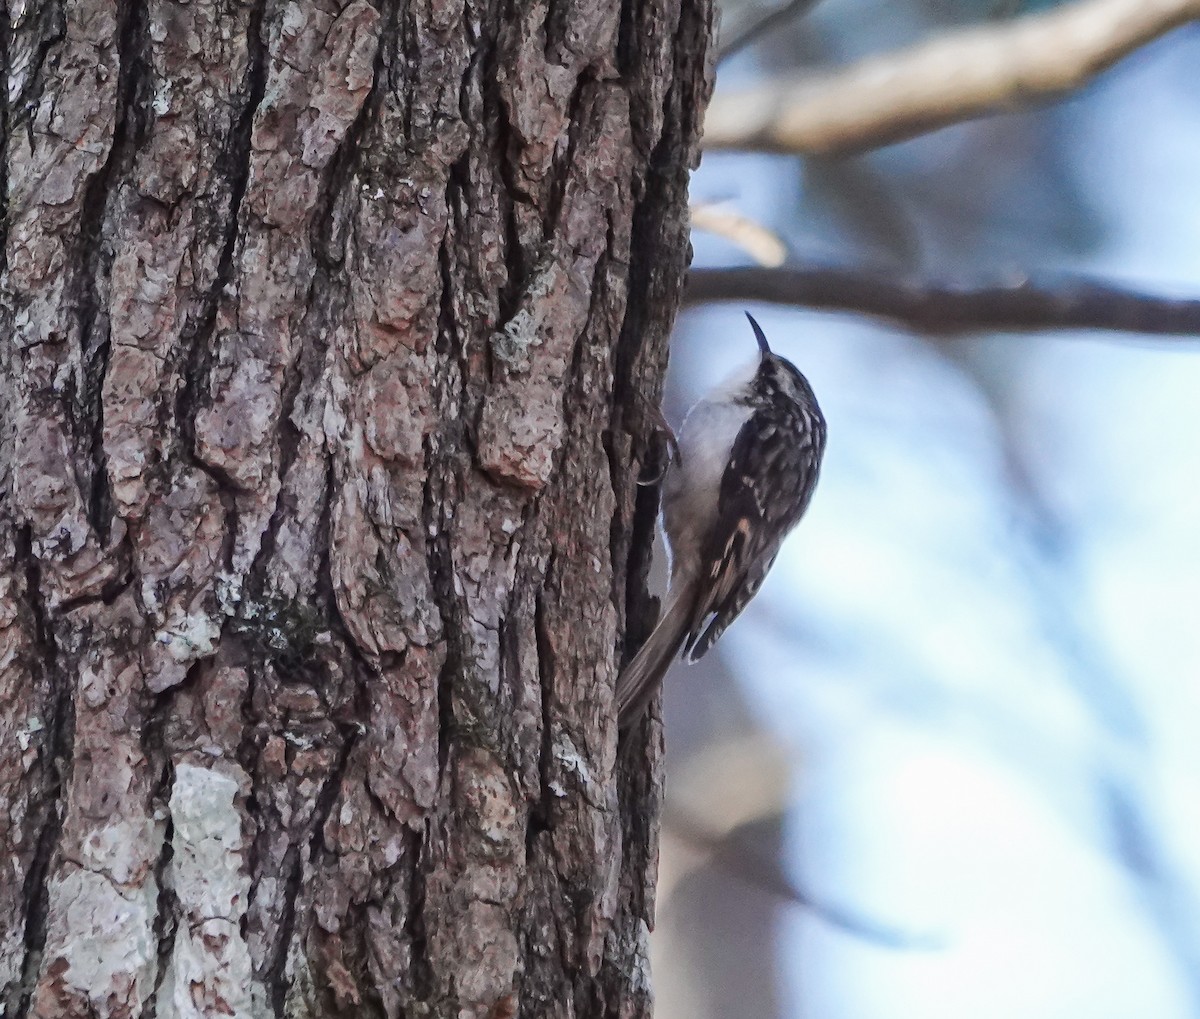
(328,335)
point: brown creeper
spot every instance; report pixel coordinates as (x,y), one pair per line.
(749,454)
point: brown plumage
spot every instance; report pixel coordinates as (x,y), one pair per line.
(749,457)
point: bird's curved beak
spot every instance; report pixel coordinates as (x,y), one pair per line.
(763,347)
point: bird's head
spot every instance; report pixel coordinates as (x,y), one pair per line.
(778,374)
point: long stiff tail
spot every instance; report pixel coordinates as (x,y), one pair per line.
(640,678)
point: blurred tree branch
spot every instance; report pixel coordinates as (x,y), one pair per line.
(949,309)
(955,76)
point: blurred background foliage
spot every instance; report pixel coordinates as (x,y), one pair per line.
(947,762)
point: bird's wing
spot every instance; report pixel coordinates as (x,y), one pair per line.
(764,491)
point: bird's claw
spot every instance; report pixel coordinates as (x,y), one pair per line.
(662,428)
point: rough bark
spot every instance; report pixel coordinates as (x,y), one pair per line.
(327,330)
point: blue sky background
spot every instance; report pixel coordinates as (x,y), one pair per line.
(978,657)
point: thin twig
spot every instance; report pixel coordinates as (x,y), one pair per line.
(731,854)
(956,76)
(953,309)
(760,242)
(772,18)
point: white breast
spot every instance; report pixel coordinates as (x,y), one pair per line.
(693,485)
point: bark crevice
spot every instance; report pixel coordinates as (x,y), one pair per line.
(542,817)
(94,257)
(5,130)
(166,914)
(438,497)
(234,165)
(57,767)
(275,975)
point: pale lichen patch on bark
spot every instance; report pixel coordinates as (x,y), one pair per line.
(209,972)
(207,866)
(107,955)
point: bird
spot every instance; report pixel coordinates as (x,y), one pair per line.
(748,457)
